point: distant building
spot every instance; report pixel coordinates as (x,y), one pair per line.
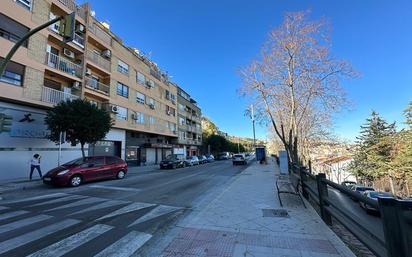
(336,168)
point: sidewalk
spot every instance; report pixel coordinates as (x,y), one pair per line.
(239,222)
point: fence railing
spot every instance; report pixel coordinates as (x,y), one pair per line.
(396,215)
(99,60)
(100,33)
(93,84)
(63,64)
(50,95)
(75,8)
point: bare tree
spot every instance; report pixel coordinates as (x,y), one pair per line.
(295,84)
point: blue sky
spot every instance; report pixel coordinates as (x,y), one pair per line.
(202,44)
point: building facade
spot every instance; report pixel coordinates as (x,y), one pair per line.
(95,66)
(189,125)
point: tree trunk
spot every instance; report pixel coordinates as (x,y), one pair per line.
(82,147)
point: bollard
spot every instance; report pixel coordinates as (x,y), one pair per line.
(397,226)
(302,181)
(323,194)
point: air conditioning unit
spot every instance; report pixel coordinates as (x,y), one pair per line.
(168,112)
(152,106)
(76,85)
(134,116)
(88,71)
(107,53)
(68,53)
(80,28)
(148,85)
(113,108)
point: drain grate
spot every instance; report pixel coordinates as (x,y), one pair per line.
(275,213)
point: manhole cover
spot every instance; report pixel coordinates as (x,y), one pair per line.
(275,213)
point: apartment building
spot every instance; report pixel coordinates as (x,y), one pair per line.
(189,125)
(95,66)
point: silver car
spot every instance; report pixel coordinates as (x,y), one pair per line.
(191,160)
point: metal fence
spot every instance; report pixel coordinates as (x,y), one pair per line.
(396,215)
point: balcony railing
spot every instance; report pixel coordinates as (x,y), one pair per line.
(78,40)
(100,33)
(75,8)
(50,95)
(95,85)
(63,64)
(99,60)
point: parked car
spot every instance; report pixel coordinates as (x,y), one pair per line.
(191,160)
(86,169)
(223,156)
(210,158)
(171,162)
(373,195)
(202,159)
(360,189)
(239,159)
(348,184)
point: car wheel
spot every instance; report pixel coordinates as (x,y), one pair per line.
(174,166)
(75,181)
(121,174)
(184,165)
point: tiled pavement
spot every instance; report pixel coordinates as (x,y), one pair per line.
(232,225)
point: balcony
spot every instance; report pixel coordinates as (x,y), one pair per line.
(95,85)
(53,96)
(63,65)
(75,8)
(100,33)
(99,60)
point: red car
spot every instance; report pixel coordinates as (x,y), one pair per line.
(88,169)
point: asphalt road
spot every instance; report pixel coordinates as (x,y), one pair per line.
(106,218)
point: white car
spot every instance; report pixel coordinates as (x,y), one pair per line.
(239,159)
(191,160)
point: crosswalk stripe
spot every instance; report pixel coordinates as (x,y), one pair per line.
(125,246)
(12,214)
(16,242)
(3,208)
(41,197)
(90,200)
(103,205)
(68,244)
(22,223)
(66,198)
(129,208)
(129,189)
(156,212)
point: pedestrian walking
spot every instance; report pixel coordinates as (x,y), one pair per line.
(35,164)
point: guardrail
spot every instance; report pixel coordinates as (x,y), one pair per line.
(95,85)
(396,215)
(62,64)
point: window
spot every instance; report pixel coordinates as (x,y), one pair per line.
(181,107)
(172,97)
(181,121)
(122,67)
(151,102)
(171,126)
(55,26)
(151,120)
(170,110)
(95,161)
(13,74)
(112,160)
(122,90)
(25,3)
(140,78)
(140,98)
(139,117)
(12,30)
(121,113)
(167,95)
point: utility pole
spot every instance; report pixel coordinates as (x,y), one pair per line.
(238,146)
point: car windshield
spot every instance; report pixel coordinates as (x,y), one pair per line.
(375,195)
(361,189)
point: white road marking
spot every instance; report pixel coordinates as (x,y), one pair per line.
(22,223)
(128,208)
(125,246)
(68,244)
(12,214)
(90,200)
(103,205)
(66,198)
(41,197)
(156,212)
(16,242)
(116,188)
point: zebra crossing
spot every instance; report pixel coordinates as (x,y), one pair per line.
(63,224)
